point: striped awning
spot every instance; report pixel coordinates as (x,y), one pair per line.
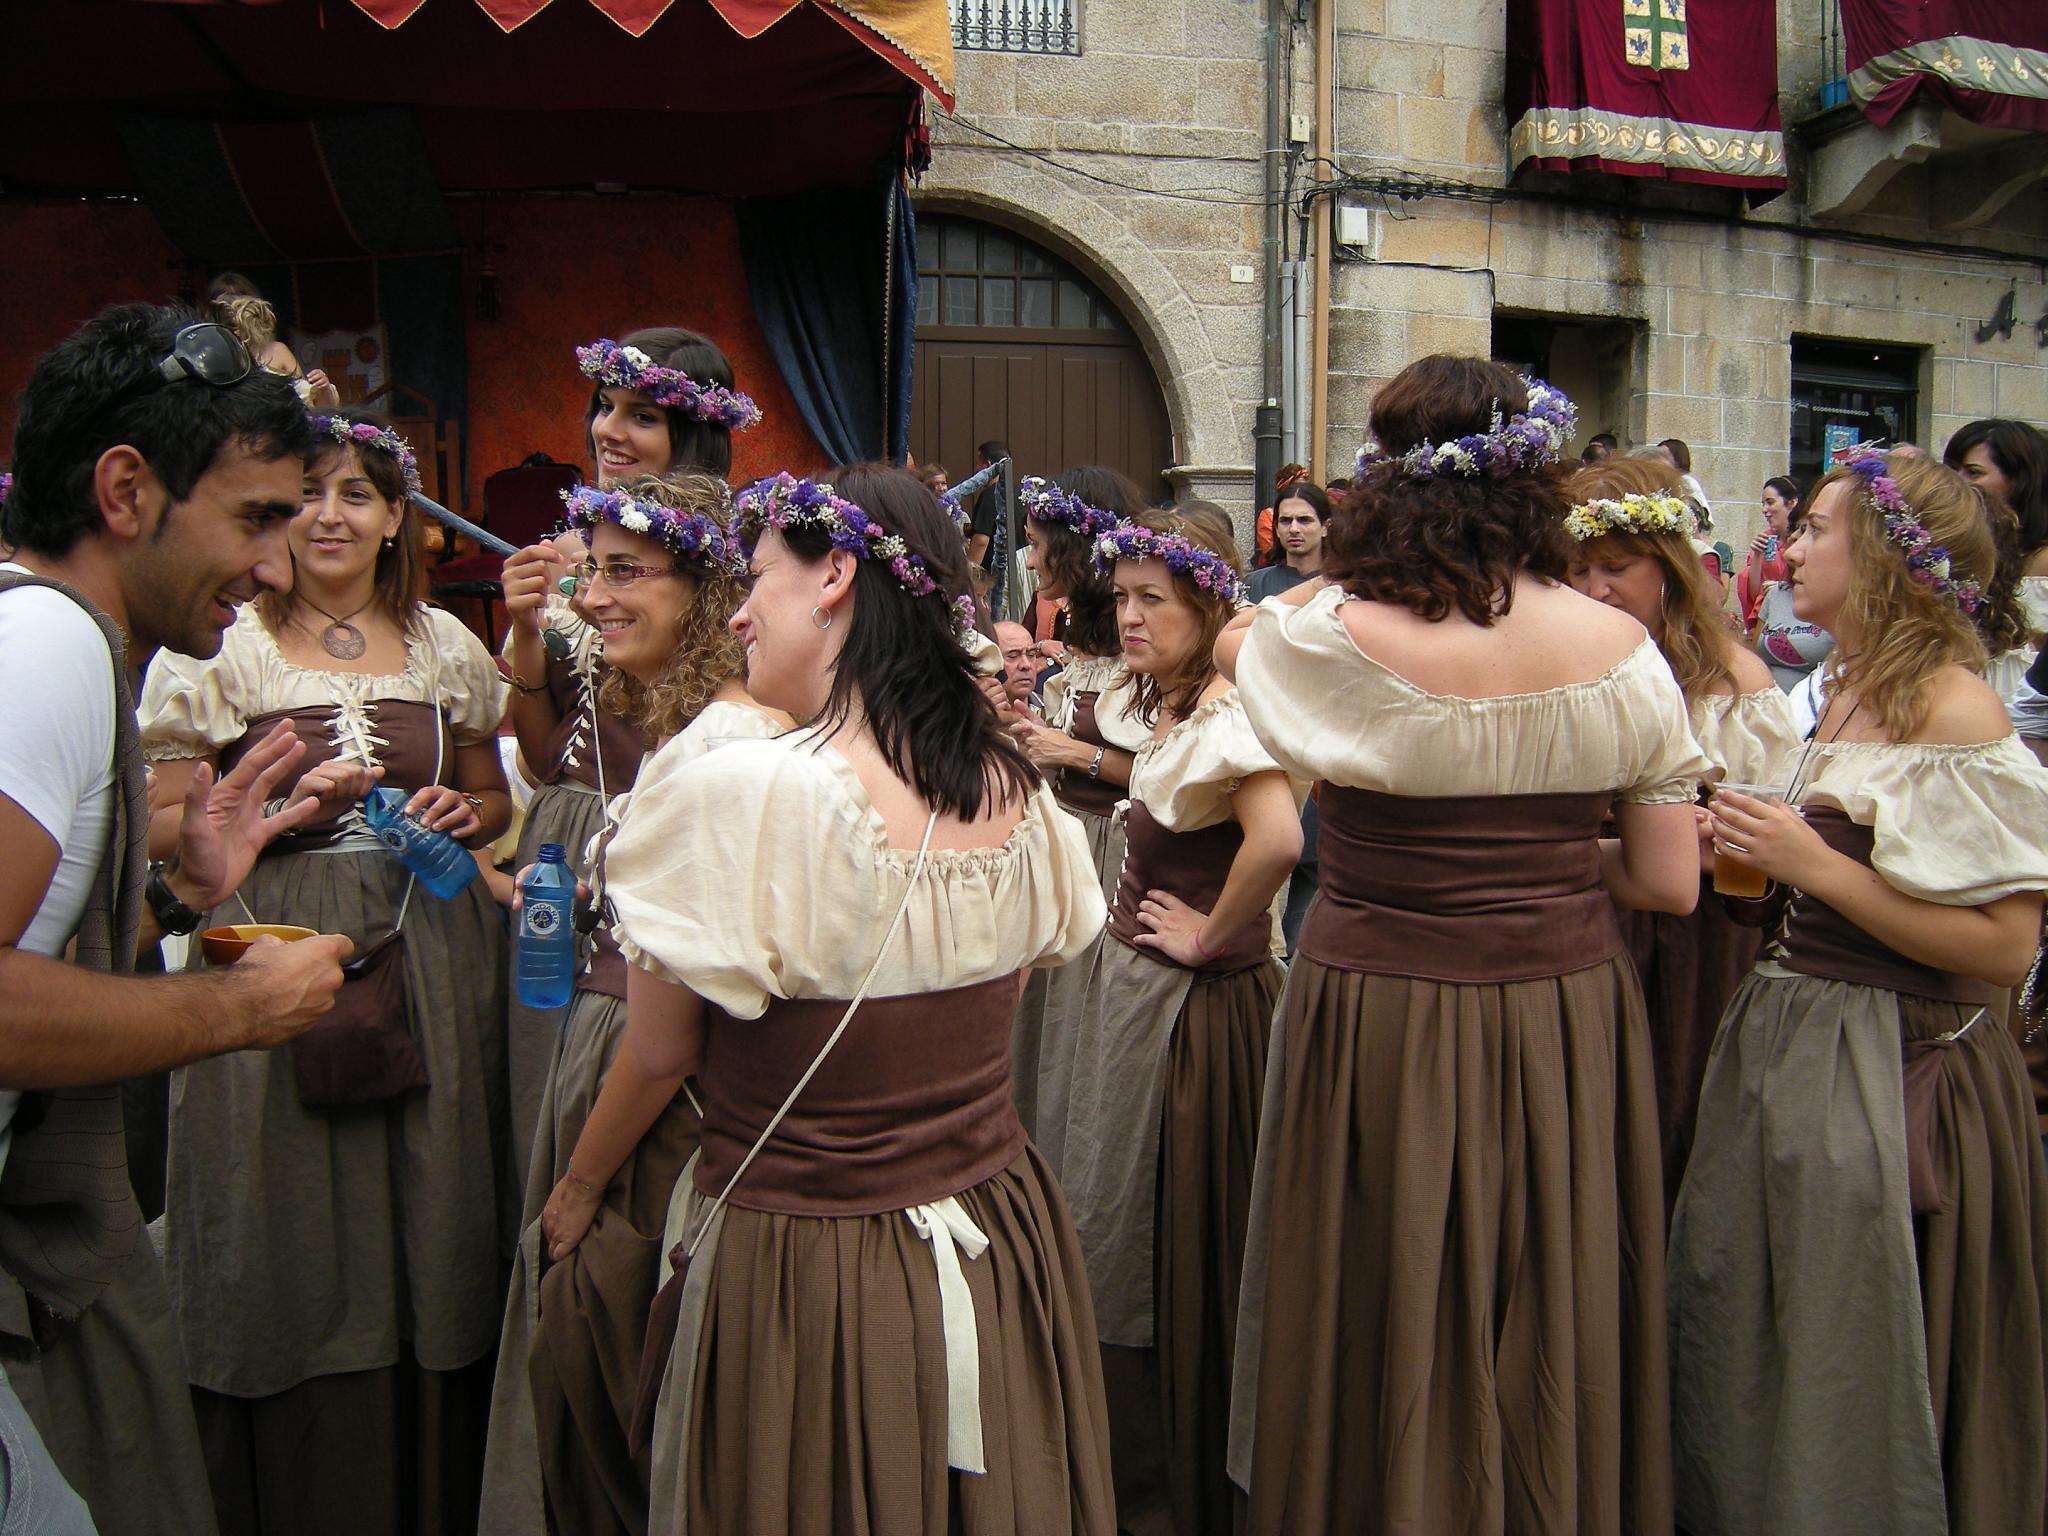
(914,35)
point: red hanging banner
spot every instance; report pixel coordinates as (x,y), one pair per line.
(1667,88)
(1986,60)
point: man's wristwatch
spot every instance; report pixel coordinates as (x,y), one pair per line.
(1095,767)
(172,915)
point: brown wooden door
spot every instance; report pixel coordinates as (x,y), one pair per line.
(1015,345)
(1055,405)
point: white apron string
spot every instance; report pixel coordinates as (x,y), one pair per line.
(946,1225)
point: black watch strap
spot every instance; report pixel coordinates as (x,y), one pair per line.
(172,915)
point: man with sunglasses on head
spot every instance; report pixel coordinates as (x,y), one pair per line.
(155,471)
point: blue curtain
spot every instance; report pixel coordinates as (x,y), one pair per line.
(834,281)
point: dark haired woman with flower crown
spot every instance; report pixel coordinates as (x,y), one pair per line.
(661,400)
(335,1270)
(1859,1256)
(661,584)
(879,1317)
(1170,1048)
(1632,533)
(1453,1301)
(1084,745)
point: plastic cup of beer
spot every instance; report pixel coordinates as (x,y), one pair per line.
(1742,881)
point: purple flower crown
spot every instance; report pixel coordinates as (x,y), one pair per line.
(1529,438)
(365,434)
(629,368)
(1209,571)
(1926,561)
(1044,502)
(686,535)
(783,501)
(6,484)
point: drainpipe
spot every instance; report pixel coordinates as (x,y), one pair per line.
(1266,422)
(1325,218)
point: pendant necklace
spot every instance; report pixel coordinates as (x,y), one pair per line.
(340,639)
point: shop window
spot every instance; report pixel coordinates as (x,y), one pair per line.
(1849,392)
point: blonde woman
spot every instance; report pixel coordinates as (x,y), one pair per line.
(250,316)
(1859,1255)
(1632,549)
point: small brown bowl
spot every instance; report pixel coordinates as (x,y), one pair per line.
(224,946)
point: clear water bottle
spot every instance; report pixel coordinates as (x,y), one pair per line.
(443,865)
(544,956)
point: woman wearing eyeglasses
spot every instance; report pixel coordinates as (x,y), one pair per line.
(662,400)
(331,1238)
(662,580)
(882,1324)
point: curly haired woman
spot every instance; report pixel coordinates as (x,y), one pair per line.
(1453,1304)
(663,580)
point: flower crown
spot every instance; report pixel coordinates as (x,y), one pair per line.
(1527,439)
(1209,571)
(1633,513)
(629,368)
(367,434)
(1044,502)
(1926,561)
(686,535)
(6,484)
(955,511)
(783,502)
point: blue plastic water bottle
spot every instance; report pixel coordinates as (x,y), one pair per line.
(443,865)
(544,968)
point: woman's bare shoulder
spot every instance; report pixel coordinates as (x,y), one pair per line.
(1962,710)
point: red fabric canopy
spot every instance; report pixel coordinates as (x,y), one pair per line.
(1647,88)
(931,64)
(808,97)
(1986,60)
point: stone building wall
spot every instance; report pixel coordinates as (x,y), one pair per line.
(1166,97)
(1709,297)
(1693,299)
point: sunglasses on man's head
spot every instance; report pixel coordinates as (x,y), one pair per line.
(207,351)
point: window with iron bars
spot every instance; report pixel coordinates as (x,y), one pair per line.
(1015,26)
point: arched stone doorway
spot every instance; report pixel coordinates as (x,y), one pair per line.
(1016,344)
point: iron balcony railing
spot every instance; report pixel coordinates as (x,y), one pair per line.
(1015,26)
(1834,87)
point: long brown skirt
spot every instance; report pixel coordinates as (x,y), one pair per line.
(819,1398)
(585,1361)
(1689,967)
(1840,1363)
(1216,1075)
(395,1450)
(1461,1324)
(1050,1012)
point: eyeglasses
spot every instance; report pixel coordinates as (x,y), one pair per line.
(207,351)
(617,574)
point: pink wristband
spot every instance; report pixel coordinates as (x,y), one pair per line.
(1203,950)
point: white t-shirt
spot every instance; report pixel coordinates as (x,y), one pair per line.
(56,755)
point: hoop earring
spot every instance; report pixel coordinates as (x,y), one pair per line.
(817,609)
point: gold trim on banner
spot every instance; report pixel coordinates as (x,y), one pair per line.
(2003,69)
(1575,132)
